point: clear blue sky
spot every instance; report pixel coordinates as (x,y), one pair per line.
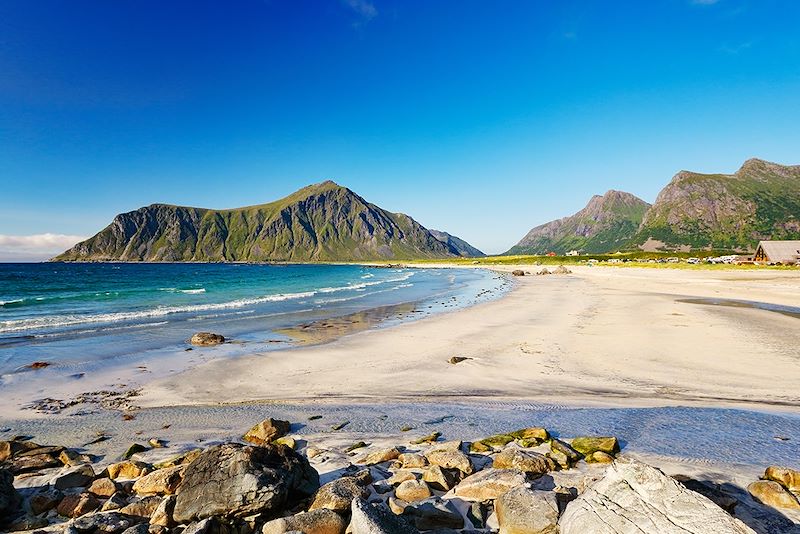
(479,118)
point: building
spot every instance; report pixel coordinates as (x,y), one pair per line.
(785,252)
(572,253)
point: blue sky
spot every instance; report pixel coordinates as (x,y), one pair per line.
(479,118)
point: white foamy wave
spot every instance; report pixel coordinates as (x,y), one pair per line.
(55,321)
(193,291)
(368,275)
(14,301)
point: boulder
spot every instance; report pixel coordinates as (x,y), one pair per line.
(115,502)
(788,478)
(76,505)
(396,505)
(72,458)
(210,525)
(401,476)
(160,482)
(561,447)
(450,459)
(128,470)
(144,507)
(525,437)
(440,479)
(44,500)
(321,521)
(530,462)
(377,518)
(267,431)
(206,339)
(380,456)
(110,523)
(234,480)
(773,494)
(79,476)
(13,447)
(587,445)
(338,494)
(434,514)
(103,487)
(489,484)
(26,462)
(518,272)
(163,514)
(526,511)
(9,498)
(412,490)
(412,460)
(634,497)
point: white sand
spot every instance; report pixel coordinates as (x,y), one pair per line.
(601,335)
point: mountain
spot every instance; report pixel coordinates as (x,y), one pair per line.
(462,247)
(725,211)
(607,223)
(321,222)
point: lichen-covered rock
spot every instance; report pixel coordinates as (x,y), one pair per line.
(528,461)
(587,445)
(9,498)
(412,490)
(634,497)
(267,431)
(560,447)
(526,511)
(377,518)
(339,494)
(160,482)
(206,339)
(788,478)
(773,494)
(321,521)
(526,437)
(234,480)
(489,484)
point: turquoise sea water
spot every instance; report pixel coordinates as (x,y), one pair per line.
(86,313)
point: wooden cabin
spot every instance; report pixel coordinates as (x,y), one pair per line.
(784,252)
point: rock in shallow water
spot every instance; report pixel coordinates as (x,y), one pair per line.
(234,480)
(205,339)
(633,497)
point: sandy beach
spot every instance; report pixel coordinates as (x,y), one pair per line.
(599,336)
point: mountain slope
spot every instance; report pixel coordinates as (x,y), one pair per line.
(606,224)
(321,222)
(459,245)
(759,201)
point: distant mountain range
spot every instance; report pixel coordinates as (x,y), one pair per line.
(321,222)
(694,211)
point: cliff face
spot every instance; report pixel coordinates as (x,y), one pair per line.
(322,222)
(459,245)
(759,201)
(607,223)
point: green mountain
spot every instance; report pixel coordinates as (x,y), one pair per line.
(321,222)
(724,211)
(462,247)
(607,223)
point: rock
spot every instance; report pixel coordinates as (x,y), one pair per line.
(430,438)
(181,459)
(103,487)
(128,470)
(396,505)
(710,490)
(71,458)
(286,441)
(450,459)
(267,431)
(206,339)
(378,457)
(412,490)
(599,457)
(135,448)
(44,500)
(321,521)
(141,528)
(457,359)
(440,479)
(162,516)
(160,482)
(433,514)
(412,460)
(143,507)
(634,497)
(561,270)
(526,437)
(9,498)
(563,448)
(26,462)
(477,514)
(773,494)
(211,525)
(13,447)
(489,484)
(401,476)
(526,511)
(234,480)
(518,272)
(587,445)
(788,478)
(79,476)
(338,494)
(115,502)
(76,505)
(527,461)
(27,522)
(377,519)
(110,523)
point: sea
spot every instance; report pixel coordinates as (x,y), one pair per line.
(83,314)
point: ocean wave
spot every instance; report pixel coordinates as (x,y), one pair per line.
(187,291)
(9,303)
(56,321)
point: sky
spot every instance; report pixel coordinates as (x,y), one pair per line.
(482,119)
